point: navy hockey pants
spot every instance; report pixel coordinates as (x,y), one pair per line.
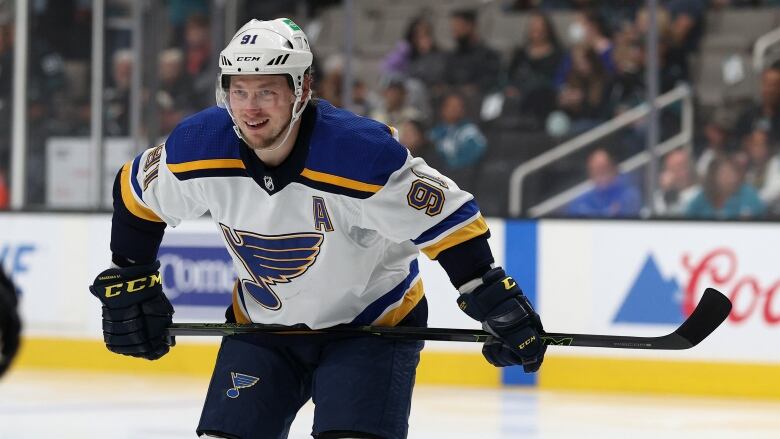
(357,384)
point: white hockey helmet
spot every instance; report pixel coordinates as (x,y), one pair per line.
(273,47)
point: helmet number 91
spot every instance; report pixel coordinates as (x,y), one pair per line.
(248,39)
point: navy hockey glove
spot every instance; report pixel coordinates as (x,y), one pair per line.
(506,313)
(136,313)
(9,323)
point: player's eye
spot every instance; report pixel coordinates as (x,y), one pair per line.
(241,94)
(267,94)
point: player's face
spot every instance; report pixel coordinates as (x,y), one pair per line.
(261,106)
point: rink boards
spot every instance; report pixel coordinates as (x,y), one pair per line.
(608,277)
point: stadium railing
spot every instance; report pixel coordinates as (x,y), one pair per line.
(681,93)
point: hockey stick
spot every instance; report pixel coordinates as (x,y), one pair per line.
(712,310)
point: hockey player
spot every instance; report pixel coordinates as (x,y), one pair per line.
(9,323)
(324,214)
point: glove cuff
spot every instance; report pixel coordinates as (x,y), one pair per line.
(471,285)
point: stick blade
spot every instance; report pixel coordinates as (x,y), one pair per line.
(713,308)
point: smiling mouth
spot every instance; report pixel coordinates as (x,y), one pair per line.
(256,124)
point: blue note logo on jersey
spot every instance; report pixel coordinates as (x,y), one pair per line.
(271,259)
(652,298)
(240,381)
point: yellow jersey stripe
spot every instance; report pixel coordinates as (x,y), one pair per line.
(198,165)
(340,181)
(409,301)
(394,132)
(471,230)
(129,200)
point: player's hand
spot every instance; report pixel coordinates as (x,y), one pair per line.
(9,323)
(506,313)
(136,313)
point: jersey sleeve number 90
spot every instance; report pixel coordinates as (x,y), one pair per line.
(423,195)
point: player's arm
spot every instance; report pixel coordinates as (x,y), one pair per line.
(10,326)
(445,223)
(488,295)
(136,313)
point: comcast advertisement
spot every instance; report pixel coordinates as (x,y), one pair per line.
(197,273)
(645,279)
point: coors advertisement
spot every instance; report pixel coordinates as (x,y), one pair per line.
(646,279)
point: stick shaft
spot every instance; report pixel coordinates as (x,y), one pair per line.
(711,311)
(433,334)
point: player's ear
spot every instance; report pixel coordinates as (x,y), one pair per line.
(307,82)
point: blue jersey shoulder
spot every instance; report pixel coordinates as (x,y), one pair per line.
(353,147)
(206,135)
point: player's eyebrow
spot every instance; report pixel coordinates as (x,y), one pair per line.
(261,83)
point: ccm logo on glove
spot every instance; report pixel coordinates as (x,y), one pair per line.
(132,285)
(527,342)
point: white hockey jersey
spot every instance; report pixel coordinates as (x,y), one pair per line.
(331,236)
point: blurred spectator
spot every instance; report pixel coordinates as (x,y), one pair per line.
(46,89)
(426,62)
(532,68)
(458,141)
(764,115)
(117,96)
(54,22)
(69,116)
(199,64)
(331,84)
(396,63)
(613,194)
(472,67)
(763,167)
(716,141)
(417,55)
(179,11)
(331,80)
(363,99)
(589,30)
(718,4)
(395,110)
(628,89)
(419,61)
(725,195)
(687,29)
(677,185)
(412,136)
(630,58)
(175,95)
(46,77)
(520,5)
(584,95)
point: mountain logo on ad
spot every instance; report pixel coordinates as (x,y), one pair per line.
(652,299)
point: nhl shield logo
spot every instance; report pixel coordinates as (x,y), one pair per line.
(269,183)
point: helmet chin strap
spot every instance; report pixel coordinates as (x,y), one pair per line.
(296,114)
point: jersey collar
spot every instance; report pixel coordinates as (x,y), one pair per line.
(274,179)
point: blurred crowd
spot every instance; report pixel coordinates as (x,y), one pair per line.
(470,109)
